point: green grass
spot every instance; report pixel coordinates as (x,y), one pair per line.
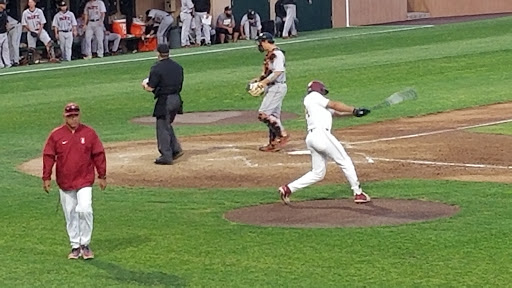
(505,129)
(177,237)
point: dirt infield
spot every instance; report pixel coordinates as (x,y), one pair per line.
(341,213)
(436,146)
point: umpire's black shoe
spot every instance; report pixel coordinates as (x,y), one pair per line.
(177,155)
(162,161)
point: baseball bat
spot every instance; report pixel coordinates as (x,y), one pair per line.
(397,97)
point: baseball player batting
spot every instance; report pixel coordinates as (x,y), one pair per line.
(323,145)
(94,15)
(273,80)
(64,25)
(33,21)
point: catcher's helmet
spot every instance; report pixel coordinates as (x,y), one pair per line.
(265,36)
(317,86)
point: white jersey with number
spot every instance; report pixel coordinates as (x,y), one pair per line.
(94,8)
(34,20)
(64,21)
(318,116)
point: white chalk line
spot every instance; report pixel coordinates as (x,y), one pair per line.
(211,51)
(435,163)
(431,133)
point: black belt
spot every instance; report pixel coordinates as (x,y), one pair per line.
(274,83)
(94,20)
(65,31)
(311,130)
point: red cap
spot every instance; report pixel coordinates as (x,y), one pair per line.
(71,109)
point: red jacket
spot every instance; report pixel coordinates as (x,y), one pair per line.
(76,154)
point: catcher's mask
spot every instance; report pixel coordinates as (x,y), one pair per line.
(265,36)
(317,86)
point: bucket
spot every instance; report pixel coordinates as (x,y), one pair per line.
(148,44)
(119,27)
(138,28)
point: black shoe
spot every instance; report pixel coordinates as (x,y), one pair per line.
(15,64)
(162,161)
(177,155)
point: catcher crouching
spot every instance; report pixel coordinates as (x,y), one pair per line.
(271,84)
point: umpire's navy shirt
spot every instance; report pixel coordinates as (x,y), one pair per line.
(166,77)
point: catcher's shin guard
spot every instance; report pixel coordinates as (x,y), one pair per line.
(273,126)
(30,55)
(51,51)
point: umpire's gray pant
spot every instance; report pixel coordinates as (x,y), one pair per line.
(5,60)
(168,144)
(66,45)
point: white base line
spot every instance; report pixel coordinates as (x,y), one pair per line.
(432,132)
(306,152)
(212,51)
(442,163)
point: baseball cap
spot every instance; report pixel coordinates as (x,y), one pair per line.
(71,108)
(227,8)
(250,14)
(162,48)
(62,3)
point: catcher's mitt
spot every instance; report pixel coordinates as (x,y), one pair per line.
(255,89)
(34,34)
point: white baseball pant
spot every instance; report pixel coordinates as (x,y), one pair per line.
(202,29)
(94,29)
(272,102)
(14,43)
(251,32)
(44,37)
(77,206)
(323,145)
(289,24)
(5,61)
(186,19)
(66,45)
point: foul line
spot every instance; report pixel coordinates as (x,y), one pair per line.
(442,163)
(431,133)
(212,51)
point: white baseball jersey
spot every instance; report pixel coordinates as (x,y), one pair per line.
(64,21)
(157,15)
(187,6)
(12,21)
(318,116)
(94,9)
(34,20)
(278,64)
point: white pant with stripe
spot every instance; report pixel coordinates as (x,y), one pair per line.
(77,206)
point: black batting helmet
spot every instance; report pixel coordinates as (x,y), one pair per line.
(317,86)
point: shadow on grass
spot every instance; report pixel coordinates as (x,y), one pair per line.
(121,274)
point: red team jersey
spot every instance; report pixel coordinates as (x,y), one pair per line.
(76,154)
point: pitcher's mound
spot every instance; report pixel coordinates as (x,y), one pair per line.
(214,117)
(341,213)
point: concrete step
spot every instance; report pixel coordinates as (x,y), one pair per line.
(417,15)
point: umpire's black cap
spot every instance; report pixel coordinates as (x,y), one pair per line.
(162,48)
(265,36)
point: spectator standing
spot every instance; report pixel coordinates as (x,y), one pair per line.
(94,17)
(186,16)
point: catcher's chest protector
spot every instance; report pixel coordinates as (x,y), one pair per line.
(269,58)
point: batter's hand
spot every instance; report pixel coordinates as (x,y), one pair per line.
(46,185)
(102,183)
(360,112)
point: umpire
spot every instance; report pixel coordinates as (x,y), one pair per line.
(166,81)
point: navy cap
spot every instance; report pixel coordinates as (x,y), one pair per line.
(163,49)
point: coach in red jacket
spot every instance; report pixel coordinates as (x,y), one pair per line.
(77,150)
